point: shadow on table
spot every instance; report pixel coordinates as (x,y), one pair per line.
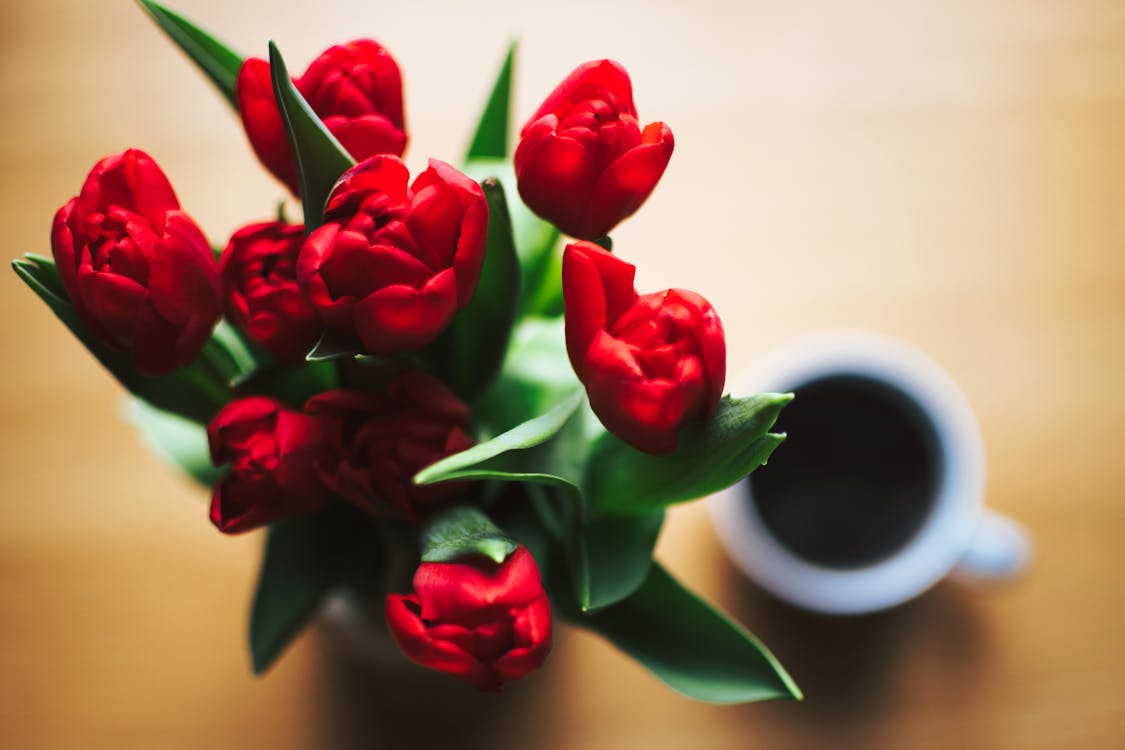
(856,670)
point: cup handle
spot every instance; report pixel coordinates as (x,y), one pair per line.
(1000,549)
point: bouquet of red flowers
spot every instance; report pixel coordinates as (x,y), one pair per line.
(415,379)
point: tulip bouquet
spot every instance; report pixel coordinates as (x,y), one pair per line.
(428,404)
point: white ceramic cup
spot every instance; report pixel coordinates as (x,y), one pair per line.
(957,535)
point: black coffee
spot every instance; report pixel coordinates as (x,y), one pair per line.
(856,477)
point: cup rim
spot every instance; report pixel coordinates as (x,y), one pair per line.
(947,529)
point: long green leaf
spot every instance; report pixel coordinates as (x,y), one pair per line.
(472,349)
(45,272)
(305,558)
(179,441)
(491,137)
(217,61)
(240,358)
(507,456)
(614,557)
(196,391)
(711,456)
(689,645)
(462,532)
(607,557)
(536,240)
(319,157)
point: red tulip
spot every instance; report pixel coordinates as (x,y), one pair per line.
(259,269)
(583,161)
(482,622)
(136,268)
(379,441)
(355,88)
(651,363)
(273,452)
(392,264)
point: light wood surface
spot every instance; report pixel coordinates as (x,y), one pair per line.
(946,172)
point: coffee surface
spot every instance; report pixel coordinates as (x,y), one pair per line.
(856,477)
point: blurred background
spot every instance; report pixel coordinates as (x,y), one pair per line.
(946,172)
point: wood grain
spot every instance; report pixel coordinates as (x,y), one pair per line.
(946,172)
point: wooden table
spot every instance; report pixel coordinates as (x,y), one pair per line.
(947,172)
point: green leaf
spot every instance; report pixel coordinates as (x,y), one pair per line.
(491,138)
(734,442)
(239,358)
(305,558)
(228,356)
(196,391)
(692,647)
(319,157)
(45,272)
(462,532)
(181,442)
(518,518)
(614,557)
(470,352)
(608,557)
(536,240)
(512,456)
(214,58)
(535,376)
(546,280)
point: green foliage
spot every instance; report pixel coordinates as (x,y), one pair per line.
(535,240)
(711,455)
(613,557)
(693,648)
(306,557)
(609,556)
(535,376)
(239,359)
(464,532)
(196,391)
(181,442)
(526,453)
(546,297)
(606,497)
(492,137)
(217,61)
(593,506)
(319,157)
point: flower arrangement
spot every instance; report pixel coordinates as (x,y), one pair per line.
(415,378)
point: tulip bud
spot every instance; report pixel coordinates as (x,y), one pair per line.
(651,363)
(393,264)
(477,620)
(355,89)
(273,452)
(259,270)
(378,441)
(136,268)
(583,161)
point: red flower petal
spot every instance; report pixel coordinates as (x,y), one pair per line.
(402,318)
(627,182)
